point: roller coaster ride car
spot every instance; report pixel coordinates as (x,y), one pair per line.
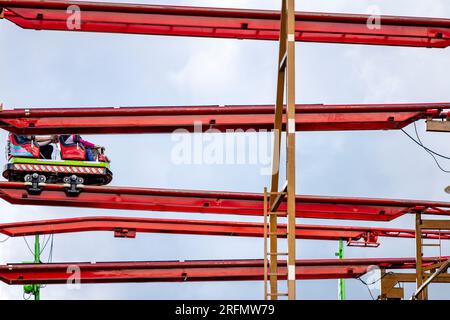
(25,163)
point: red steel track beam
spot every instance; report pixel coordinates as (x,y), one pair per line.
(226,23)
(221,118)
(181,271)
(128,227)
(235,203)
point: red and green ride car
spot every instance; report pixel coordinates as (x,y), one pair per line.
(25,164)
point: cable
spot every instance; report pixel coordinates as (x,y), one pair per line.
(368,289)
(41,243)
(4,240)
(378,280)
(373,282)
(421,143)
(50,255)
(32,252)
(46,242)
(431,152)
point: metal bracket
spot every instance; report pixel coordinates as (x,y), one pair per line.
(368,240)
(124,233)
(34,183)
(362,244)
(73,185)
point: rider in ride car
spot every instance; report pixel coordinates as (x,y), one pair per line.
(89,146)
(45,143)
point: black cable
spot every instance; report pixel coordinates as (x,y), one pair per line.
(423,146)
(438,164)
(378,280)
(369,284)
(368,289)
(431,152)
(421,143)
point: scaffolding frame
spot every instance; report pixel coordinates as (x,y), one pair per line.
(390,280)
(414,32)
(421,275)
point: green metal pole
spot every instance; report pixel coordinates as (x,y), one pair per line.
(37,259)
(340,254)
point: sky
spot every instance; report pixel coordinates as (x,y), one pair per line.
(61,69)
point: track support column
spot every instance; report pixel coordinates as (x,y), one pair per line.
(341,282)
(290,144)
(37,259)
(285,82)
(419,256)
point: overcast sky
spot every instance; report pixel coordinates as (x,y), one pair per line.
(61,69)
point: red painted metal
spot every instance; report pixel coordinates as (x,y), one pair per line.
(236,203)
(220,118)
(227,23)
(181,271)
(128,227)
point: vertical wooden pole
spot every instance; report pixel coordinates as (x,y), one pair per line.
(266,292)
(290,143)
(278,129)
(285,83)
(419,254)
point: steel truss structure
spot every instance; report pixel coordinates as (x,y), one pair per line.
(227,23)
(216,202)
(126,227)
(286,27)
(182,271)
(167,119)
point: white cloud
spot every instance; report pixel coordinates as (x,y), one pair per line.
(209,71)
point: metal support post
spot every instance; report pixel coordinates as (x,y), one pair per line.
(341,282)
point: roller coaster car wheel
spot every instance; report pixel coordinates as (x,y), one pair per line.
(72,185)
(34,182)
